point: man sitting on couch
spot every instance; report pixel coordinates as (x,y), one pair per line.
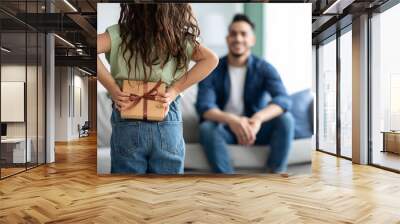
(233,107)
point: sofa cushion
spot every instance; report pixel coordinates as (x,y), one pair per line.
(248,157)
(303,113)
(104,110)
(189,115)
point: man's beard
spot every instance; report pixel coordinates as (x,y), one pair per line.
(237,55)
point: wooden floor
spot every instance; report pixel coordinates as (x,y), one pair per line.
(10,171)
(70,191)
(387,159)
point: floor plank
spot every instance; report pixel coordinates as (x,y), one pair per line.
(70,191)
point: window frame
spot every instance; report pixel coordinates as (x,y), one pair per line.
(334,37)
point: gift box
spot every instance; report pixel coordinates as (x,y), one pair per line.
(143,95)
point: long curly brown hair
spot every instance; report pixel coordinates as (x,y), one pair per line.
(156,33)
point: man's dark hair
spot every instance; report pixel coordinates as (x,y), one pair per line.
(242,18)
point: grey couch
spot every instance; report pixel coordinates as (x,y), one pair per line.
(245,158)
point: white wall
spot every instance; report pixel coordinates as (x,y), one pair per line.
(84,84)
(107,15)
(13,94)
(68,82)
(15,72)
(61,103)
(80,84)
(288,46)
(214,20)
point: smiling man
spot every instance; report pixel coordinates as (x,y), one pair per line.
(233,105)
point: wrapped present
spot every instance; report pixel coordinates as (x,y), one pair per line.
(143,94)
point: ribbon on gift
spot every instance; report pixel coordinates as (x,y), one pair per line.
(147,95)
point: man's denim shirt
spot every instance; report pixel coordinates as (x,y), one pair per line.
(262,83)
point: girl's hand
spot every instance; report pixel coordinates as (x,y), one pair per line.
(167,98)
(121,99)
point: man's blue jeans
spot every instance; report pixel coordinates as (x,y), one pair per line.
(278,133)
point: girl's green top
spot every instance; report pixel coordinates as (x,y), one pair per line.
(119,67)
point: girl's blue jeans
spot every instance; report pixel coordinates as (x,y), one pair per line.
(141,147)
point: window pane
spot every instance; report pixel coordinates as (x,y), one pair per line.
(346,94)
(327,96)
(22,84)
(386,88)
(13,85)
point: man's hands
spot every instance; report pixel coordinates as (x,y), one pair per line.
(255,125)
(244,128)
(241,128)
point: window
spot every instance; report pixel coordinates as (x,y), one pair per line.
(327,96)
(346,94)
(22,75)
(385,86)
(335,74)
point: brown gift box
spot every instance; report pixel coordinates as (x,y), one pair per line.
(143,94)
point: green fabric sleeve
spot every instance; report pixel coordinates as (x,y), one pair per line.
(112,56)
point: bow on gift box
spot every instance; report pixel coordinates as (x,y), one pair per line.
(148,95)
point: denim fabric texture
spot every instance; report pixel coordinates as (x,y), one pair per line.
(277,133)
(140,147)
